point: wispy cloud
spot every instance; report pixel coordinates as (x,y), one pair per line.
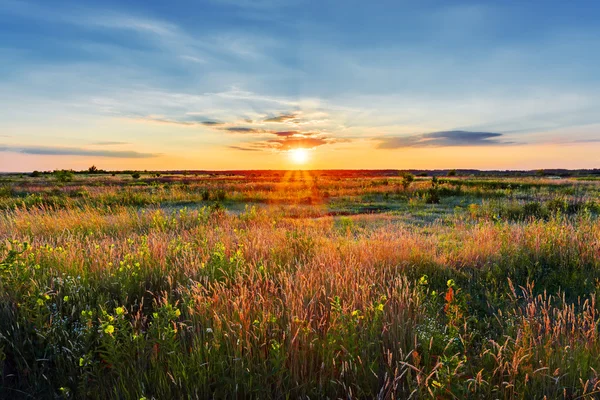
(243,148)
(75,151)
(166,121)
(289,143)
(183,122)
(282,118)
(442,139)
(291,133)
(243,129)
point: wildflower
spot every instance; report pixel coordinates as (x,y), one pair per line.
(449,298)
(120,310)
(81,361)
(450,283)
(423,281)
(177,313)
(380,307)
(66,299)
(109,329)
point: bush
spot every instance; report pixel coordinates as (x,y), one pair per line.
(407,179)
(220,195)
(205,195)
(63,175)
(432,196)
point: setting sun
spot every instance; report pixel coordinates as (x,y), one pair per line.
(299,156)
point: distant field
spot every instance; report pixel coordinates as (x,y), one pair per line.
(298,285)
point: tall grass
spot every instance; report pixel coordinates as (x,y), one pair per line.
(121,302)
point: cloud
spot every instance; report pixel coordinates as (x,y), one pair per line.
(75,151)
(243,148)
(442,139)
(282,118)
(166,121)
(289,143)
(184,122)
(287,133)
(243,129)
(284,141)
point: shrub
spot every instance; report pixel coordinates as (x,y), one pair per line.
(63,175)
(220,195)
(407,179)
(205,194)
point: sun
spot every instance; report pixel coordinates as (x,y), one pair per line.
(298,156)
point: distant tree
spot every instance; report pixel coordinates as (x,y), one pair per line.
(433,194)
(93,169)
(63,175)
(452,172)
(540,172)
(407,179)
(136,175)
(35,174)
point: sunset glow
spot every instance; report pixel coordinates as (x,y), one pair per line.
(299,156)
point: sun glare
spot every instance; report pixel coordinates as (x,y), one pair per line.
(299,156)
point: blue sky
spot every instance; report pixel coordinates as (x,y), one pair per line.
(238,83)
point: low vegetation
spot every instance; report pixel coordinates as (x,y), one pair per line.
(298,285)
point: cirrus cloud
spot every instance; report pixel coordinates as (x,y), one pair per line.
(75,151)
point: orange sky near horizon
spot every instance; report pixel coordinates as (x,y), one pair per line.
(342,156)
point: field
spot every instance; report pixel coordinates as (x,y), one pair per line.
(298,285)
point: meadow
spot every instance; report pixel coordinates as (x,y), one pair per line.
(298,285)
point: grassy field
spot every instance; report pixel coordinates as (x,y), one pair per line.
(298,285)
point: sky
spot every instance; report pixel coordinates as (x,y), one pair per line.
(244,84)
